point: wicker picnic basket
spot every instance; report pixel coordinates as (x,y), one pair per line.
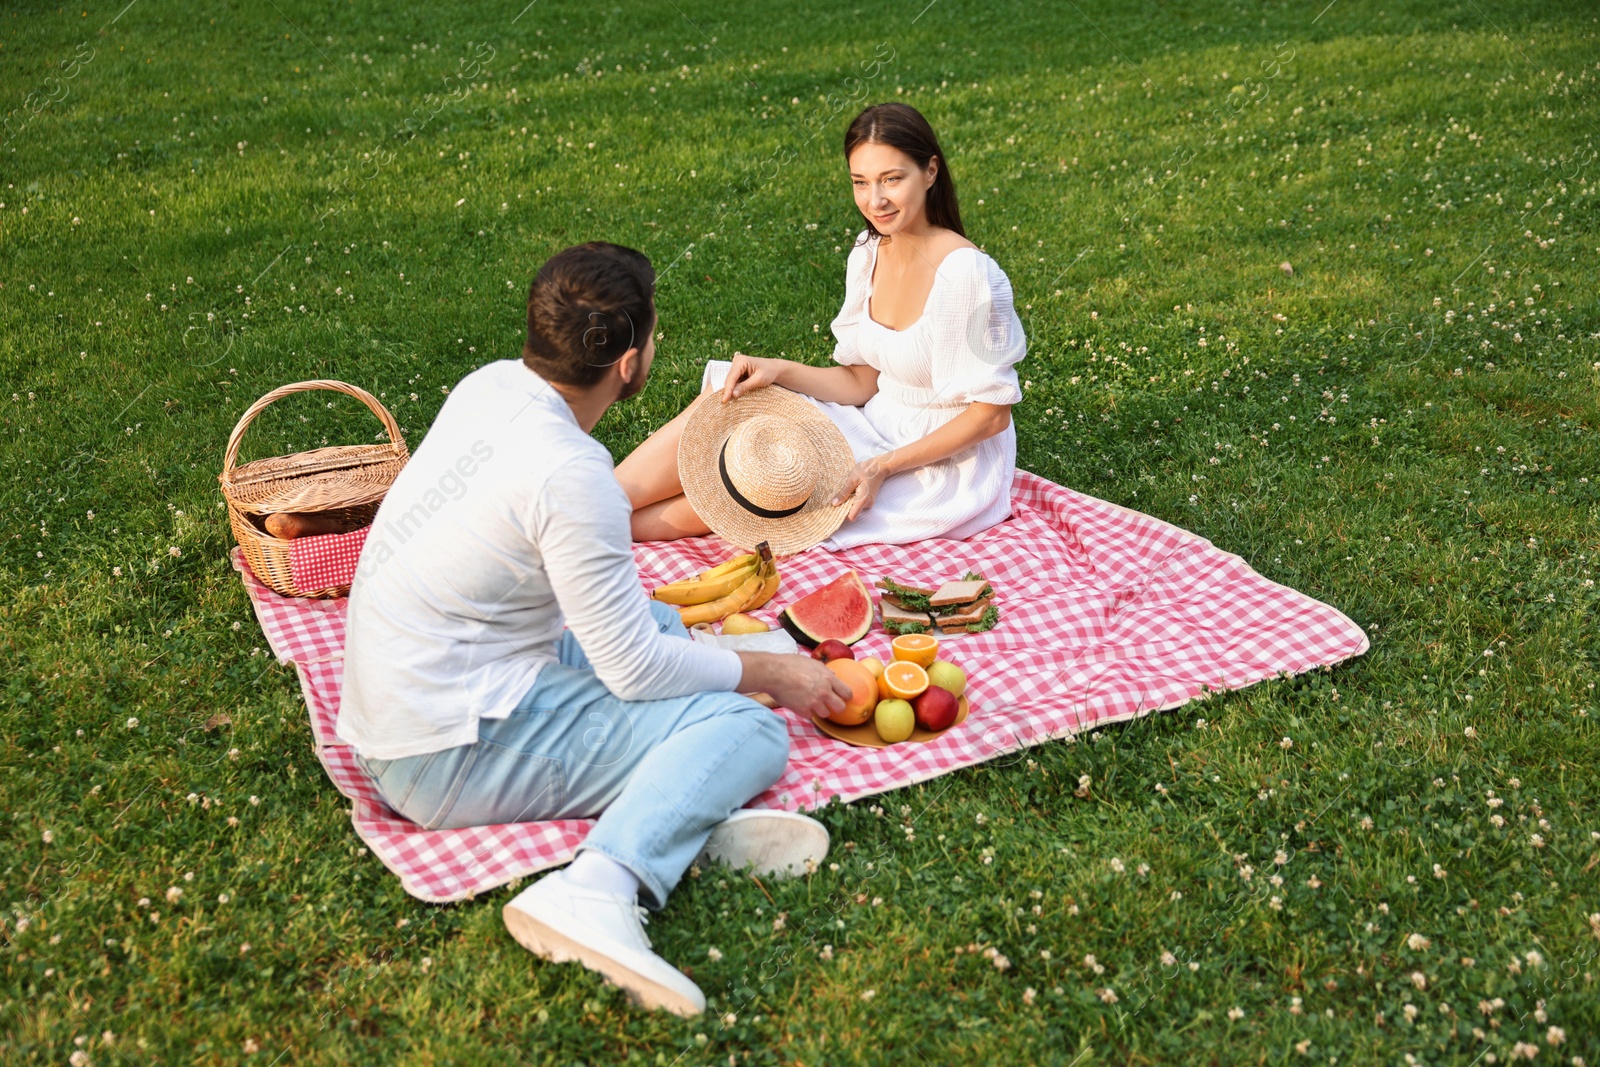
(344,482)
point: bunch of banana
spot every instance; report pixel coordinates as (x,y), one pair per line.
(743,583)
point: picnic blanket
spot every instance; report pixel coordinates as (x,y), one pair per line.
(1106,615)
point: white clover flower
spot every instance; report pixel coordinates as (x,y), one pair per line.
(1416,942)
(713,954)
(1235,1013)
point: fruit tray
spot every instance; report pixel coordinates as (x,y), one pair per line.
(866,734)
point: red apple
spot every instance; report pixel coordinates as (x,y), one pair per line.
(830,650)
(936,708)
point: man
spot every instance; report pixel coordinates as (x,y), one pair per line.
(467,703)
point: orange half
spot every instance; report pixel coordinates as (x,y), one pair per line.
(920,649)
(905,680)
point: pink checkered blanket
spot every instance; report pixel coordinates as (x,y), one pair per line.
(1106,615)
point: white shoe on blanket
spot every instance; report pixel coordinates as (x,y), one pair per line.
(777,844)
(563,922)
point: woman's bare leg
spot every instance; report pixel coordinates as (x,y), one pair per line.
(667,520)
(650,472)
(649,475)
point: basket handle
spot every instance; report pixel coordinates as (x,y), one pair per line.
(390,427)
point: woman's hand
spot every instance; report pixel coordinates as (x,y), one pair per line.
(749,373)
(861,488)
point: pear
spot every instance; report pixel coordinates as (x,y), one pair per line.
(740,623)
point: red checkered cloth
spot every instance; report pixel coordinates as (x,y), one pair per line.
(327,561)
(1106,615)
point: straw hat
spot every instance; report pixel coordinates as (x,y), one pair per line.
(763,467)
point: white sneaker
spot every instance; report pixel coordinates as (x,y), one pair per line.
(777,844)
(563,922)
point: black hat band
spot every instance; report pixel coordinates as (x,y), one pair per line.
(740,499)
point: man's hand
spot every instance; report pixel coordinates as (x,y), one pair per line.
(796,682)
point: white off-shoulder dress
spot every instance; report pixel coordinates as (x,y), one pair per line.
(962,350)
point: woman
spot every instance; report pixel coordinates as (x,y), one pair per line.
(923,381)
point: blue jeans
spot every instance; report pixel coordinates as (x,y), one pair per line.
(659,774)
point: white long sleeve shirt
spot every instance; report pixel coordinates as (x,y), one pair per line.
(506,522)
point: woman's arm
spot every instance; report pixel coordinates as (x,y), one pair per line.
(976,424)
(851,385)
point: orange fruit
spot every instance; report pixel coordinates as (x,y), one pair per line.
(905,681)
(920,649)
(863,692)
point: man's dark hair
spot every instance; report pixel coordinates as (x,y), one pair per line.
(588,305)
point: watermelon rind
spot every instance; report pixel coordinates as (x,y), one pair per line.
(830,613)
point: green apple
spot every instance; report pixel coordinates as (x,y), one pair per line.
(947,675)
(894,719)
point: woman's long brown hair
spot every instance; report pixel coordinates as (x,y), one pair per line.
(902,126)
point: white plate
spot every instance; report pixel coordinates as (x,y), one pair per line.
(776,640)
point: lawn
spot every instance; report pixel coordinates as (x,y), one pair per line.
(1317,283)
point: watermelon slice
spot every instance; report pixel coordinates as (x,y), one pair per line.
(840,611)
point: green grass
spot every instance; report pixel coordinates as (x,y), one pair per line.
(224,197)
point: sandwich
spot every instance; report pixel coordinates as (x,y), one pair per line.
(964,606)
